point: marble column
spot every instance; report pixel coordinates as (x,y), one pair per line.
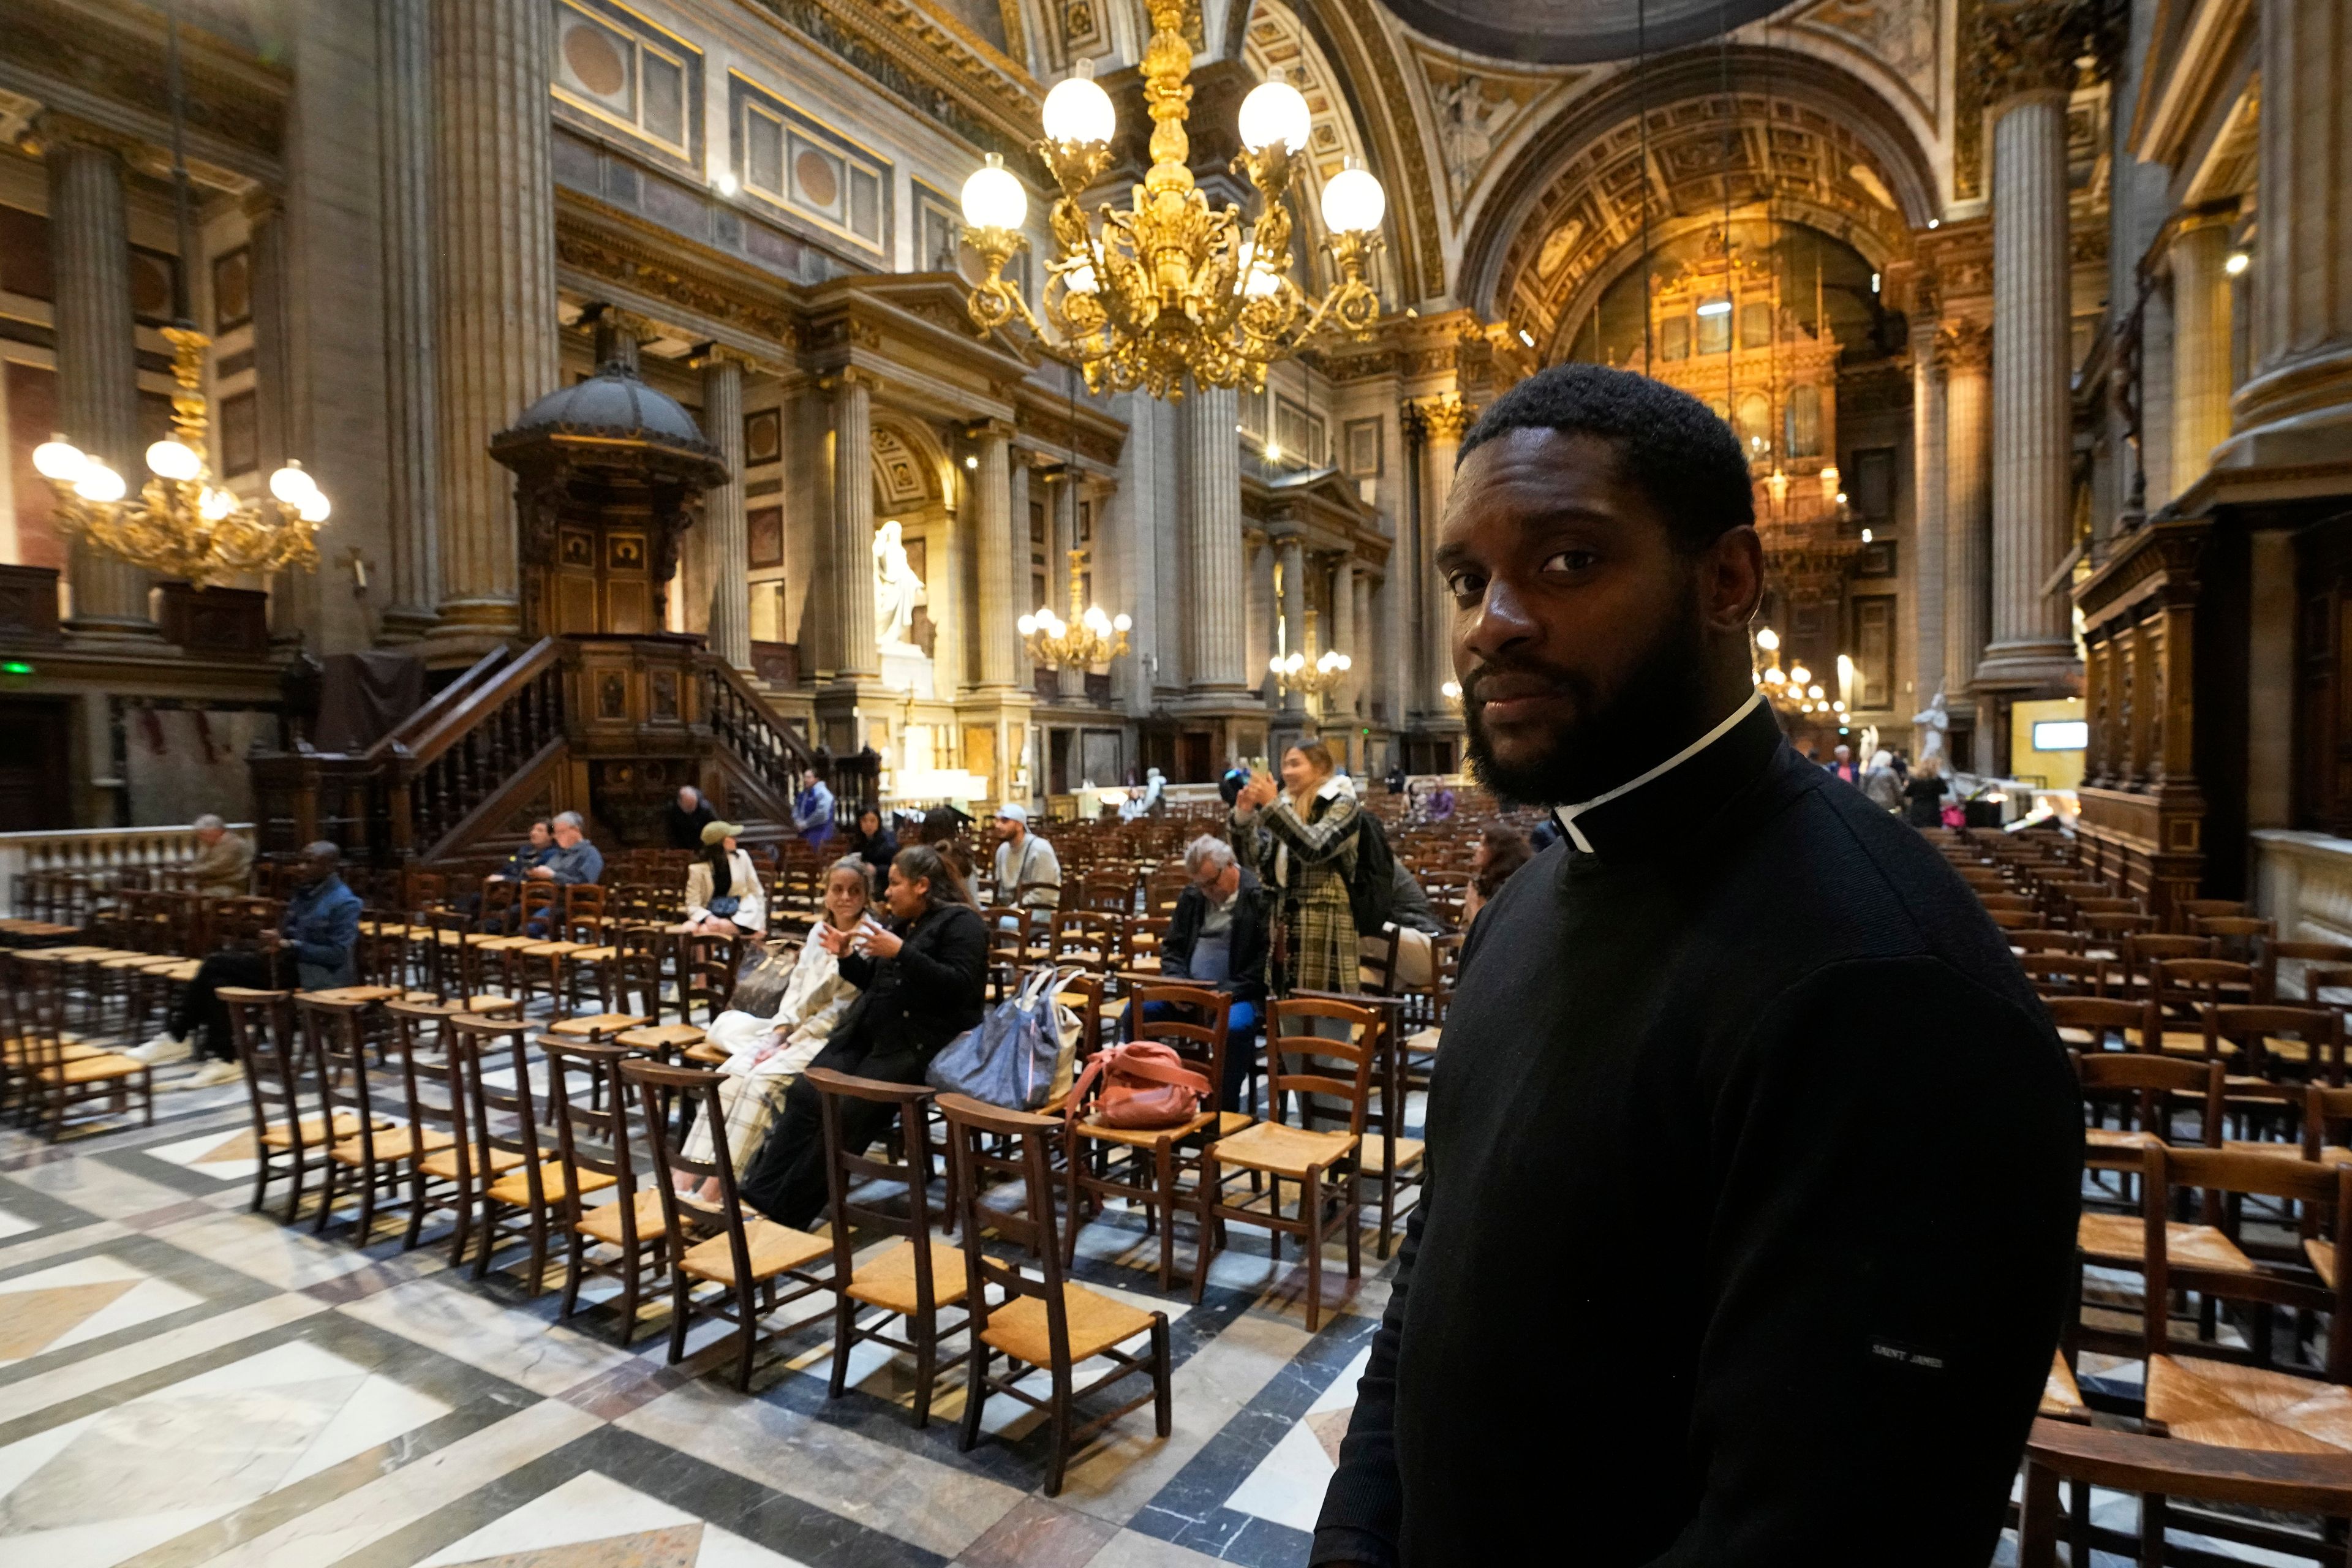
(1964,352)
(493,286)
(2296,405)
(1214,635)
(2200,345)
(726,549)
(855,652)
(2031,643)
(993,534)
(411,439)
(1017,489)
(273,327)
(1447,419)
(1343,635)
(98,367)
(1929,540)
(1292,587)
(1259,617)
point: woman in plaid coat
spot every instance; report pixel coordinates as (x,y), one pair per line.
(1301,841)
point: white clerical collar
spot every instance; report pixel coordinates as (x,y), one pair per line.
(1569,814)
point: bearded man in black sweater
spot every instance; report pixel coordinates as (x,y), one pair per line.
(1753,1160)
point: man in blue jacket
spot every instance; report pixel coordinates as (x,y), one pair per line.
(319,938)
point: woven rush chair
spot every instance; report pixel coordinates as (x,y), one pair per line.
(740,1260)
(61,1074)
(2222,1423)
(2185,991)
(917,1278)
(2089,1023)
(590,1108)
(287,1142)
(525,1199)
(1325,1166)
(1047,1321)
(378,1153)
(1147,1165)
(444,1179)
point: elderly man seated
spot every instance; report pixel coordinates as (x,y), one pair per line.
(1219,939)
(319,933)
(223,867)
(573,860)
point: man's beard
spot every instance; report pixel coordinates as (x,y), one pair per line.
(1611,740)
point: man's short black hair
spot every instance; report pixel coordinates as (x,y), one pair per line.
(1685,459)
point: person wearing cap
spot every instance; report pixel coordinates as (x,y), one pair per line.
(722,887)
(1028,873)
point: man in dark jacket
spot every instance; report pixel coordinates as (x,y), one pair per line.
(686,817)
(1848,1295)
(315,943)
(1219,937)
(921,980)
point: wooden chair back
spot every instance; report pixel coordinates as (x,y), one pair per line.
(1202,1043)
(847,1170)
(987,1137)
(2065,974)
(2102,1016)
(2145,1086)
(499,1117)
(2258,1031)
(1290,1039)
(589,1104)
(583,911)
(689,1093)
(2221,1174)
(538,903)
(2310,956)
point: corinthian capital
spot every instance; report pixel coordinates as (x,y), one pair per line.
(1448,417)
(2032,46)
(1963,347)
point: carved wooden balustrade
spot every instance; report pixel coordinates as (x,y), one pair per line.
(505,730)
(774,756)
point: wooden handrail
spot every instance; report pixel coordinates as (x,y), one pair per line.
(439,703)
(454,725)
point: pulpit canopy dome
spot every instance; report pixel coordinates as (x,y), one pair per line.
(613,419)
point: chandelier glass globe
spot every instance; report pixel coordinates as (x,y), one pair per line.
(1275,112)
(993,198)
(1078,109)
(1353,202)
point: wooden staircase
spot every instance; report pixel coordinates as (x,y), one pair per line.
(522,726)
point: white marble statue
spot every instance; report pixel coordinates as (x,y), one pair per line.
(897,589)
(1934,724)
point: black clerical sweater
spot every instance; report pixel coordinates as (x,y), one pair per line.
(1753,1166)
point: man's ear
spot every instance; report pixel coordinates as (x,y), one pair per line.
(1731,579)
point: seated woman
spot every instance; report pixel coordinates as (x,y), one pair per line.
(1501,851)
(874,842)
(924,976)
(722,888)
(765,1054)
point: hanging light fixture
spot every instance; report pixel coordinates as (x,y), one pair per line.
(1305,671)
(1170,287)
(183,523)
(1087,639)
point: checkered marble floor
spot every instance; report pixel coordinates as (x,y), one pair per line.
(183,1382)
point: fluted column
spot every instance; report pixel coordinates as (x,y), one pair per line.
(1259,617)
(1447,420)
(1215,634)
(853,525)
(2032,440)
(1343,636)
(725,550)
(1964,352)
(411,440)
(2297,403)
(2201,344)
(991,490)
(98,367)
(494,285)
(1294,613)
(1927,541)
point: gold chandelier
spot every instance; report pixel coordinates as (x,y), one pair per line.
(1793,692)
(183,524)
(1087,639)
(1317,676)
(1171,287)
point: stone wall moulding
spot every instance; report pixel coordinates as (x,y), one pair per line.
(112,64)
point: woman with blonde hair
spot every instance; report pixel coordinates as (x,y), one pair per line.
(765,1054)
(1300,838)
(722,887)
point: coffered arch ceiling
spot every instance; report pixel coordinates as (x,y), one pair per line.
(1565,217)
(1278,40)
(1574,32)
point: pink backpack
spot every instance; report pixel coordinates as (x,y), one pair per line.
(1145,1085)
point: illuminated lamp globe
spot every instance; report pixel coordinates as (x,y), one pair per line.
(1814,692)
(1353,203)
(216,504)
(169,460)
(1097,622)
(1120,623)
(993,198)
(1768,639)
(99,483)
(1080,279)
(59,459)
(314,508)
(1801,675)
(292,485)
(1025,625)
(1077,110)
(1275,112)
(1257,282)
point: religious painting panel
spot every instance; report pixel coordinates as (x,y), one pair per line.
(764,525)
(1873,652)
(1361,441)
(240,435)
(764,437)
(32,393)
(25,256)
(154,278)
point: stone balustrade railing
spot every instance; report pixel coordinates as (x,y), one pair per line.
(95,850)
(2304,881)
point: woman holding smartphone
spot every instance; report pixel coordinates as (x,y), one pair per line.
(923,977)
